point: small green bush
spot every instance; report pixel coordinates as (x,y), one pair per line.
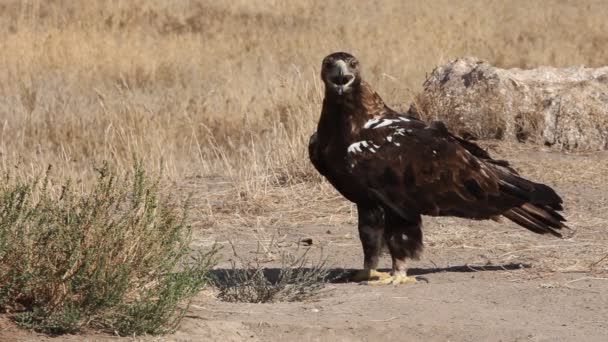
(114,258)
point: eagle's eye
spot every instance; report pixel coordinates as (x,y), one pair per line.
(326,63)
(353,63)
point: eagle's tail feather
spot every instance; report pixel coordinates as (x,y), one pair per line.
(536,193)
(538,220)
(539,213)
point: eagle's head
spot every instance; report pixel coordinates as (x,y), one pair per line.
(340,73)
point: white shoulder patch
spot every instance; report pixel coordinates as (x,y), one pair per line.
(371,122)
(356,147)
(392,137)
(379,122)
(359,146)
(384,123)
(399,131)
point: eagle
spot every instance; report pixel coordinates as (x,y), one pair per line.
(396,168)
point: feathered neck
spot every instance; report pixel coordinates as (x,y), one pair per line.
(342,117)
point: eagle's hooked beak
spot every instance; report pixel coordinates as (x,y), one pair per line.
(342,78)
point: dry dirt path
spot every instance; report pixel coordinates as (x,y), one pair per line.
(561,296)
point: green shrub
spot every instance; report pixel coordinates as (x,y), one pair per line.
(113,258)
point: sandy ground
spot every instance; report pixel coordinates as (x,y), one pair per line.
(561,293)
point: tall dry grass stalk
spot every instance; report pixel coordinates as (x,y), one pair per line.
(198,88)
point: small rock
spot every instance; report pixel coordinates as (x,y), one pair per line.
(306,242)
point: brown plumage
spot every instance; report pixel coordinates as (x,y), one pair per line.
(397,168)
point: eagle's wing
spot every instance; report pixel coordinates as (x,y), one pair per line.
(413,168)
(314,154)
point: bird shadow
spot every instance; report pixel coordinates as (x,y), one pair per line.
(344,275)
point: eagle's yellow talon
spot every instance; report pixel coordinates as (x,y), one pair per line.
(393,280)
(370,275)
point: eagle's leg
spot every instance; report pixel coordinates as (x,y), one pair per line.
(404,239)
(371,233)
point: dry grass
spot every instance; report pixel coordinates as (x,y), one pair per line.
(220,98)
(198,87)
(296,279)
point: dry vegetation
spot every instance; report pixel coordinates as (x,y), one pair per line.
(219,98)
(199,88)
(115,257)
(250,281)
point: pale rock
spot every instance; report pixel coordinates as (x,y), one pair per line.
(563,107)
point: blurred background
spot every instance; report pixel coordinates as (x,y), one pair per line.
(204,87)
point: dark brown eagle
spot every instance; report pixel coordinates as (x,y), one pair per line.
(396,168)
